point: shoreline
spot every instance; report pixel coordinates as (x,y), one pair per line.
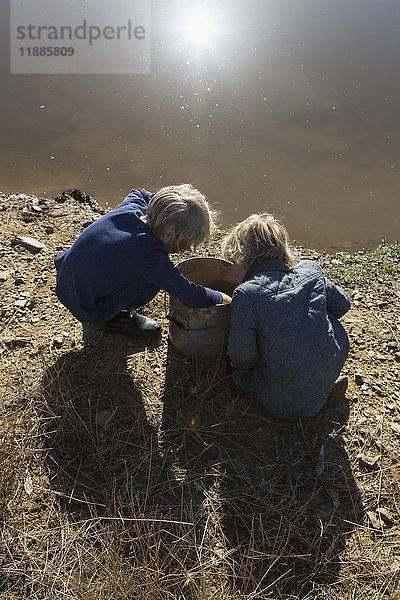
(350,247)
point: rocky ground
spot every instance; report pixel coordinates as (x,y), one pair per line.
(129,471)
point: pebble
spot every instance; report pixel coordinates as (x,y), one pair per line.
(29,243)
(375,521)
(21,303)
(4,275)
(385,515)
(368,462)
(395,427)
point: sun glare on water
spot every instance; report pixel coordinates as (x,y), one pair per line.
(199,29)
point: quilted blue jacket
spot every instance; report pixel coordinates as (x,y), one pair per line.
(286,344)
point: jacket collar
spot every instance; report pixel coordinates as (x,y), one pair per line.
(274,264)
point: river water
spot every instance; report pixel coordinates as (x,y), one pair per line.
(287,106)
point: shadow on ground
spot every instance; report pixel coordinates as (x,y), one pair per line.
(277,497)
(211,495)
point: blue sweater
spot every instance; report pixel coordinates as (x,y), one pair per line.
(286,343)
(117,263)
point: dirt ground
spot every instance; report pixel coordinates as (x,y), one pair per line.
(130,471)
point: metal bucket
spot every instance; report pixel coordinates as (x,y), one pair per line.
(202,332)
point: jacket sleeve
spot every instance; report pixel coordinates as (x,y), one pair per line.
(160,270)
(243,347)
(337,301)
(139,198)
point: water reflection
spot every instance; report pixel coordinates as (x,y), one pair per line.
(263,105)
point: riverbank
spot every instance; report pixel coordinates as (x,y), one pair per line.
(129,471)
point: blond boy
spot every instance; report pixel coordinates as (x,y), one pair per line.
(121,261)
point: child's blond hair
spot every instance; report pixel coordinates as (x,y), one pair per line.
(258,238)
(183,209)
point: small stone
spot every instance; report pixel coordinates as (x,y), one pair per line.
(371,354)
(381,356)
(397,357)
(359,379)
(368,462)
(36,208)
(15,342)
(375,521)
(49,229)
(58,341)
(35,320)
(385,515)
(21,303)
(4,275)
(29,243)
(395,427)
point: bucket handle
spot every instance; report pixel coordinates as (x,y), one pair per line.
(184,325)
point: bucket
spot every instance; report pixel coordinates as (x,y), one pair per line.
(202,332)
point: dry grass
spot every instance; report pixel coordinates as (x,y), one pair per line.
(102,497)
(131,472)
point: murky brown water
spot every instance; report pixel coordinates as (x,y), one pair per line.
(290,107)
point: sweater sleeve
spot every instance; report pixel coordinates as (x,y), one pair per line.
(138,198)
(160,271)
(242,347)
(337,301)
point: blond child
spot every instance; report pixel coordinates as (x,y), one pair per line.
(121,261)
(286,346)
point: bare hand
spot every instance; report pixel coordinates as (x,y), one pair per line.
(225,298)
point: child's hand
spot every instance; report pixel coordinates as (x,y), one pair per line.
(225,298)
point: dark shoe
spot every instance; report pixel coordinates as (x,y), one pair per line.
(131,324)
(339,390)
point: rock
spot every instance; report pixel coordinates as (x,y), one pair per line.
(49,229)
(4,275)
(28,484)
(385,515)
(397,357)
(21,303)
(78,196)
(29,243)
(15,342)
(58,341)
(359,379)
(375,521)
(395,427)
(368,462)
